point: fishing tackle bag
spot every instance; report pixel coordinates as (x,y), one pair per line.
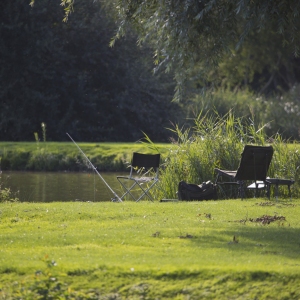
(189,192)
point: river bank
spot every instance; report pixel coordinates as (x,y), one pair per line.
(65,156)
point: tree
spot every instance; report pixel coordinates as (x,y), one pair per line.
(67,76)
(185,33)
(263,65)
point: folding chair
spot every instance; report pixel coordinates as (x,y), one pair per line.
(147,167)
(254,165)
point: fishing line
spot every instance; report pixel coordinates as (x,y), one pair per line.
(117,198)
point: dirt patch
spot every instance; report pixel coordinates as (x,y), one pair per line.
(277,204)
(265,204)
(265,219)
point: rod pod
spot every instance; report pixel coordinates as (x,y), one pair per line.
(95,169)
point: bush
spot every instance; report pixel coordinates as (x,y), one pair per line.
(279,113)
(217,142)
(6,194)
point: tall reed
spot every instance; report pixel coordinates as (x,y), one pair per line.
(217,142)
(6,195)
(43,125)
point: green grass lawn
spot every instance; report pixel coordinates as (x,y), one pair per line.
(61,156)
(104,148)
(228,249)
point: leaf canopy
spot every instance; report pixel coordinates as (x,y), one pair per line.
(188,33)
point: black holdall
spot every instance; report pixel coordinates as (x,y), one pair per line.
(189,192)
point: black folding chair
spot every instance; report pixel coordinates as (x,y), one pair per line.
(146,168)
(254,165)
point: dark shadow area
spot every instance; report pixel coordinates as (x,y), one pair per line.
(265,239)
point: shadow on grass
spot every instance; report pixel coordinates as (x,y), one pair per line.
(281,240)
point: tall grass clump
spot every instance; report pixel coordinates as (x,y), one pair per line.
(6,195)
(285,162)
(217,142)
(280,112)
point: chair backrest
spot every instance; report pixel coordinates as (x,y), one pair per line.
(255,162)
(141,160)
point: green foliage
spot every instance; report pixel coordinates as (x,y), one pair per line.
(263,65)
(56,156)
(278,113)
(217,142)
(185,34)
(6,195)
(65,75)
(283,113)
(224,247)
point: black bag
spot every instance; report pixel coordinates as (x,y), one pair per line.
(205,191)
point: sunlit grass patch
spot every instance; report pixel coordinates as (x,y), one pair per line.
(163,250)
(61,156)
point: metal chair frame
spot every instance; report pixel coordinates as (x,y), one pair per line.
(146,164)
(254,165)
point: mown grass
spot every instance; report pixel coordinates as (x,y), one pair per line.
(145,250)
(62,156)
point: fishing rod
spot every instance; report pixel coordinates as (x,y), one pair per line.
(116,196)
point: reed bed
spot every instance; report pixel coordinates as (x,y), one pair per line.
(217,142)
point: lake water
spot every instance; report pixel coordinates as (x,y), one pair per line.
(69,186)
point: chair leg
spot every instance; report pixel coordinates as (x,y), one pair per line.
(276,192)
(127,190)
(268,190)
(289,187)
(145,191)
(241,190)
(217,178)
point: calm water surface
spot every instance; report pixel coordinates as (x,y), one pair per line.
(50,187)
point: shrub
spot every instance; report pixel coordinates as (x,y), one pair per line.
(280,113)
(6,194)
(217,142)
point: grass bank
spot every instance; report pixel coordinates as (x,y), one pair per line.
(228,249)
(62,156)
